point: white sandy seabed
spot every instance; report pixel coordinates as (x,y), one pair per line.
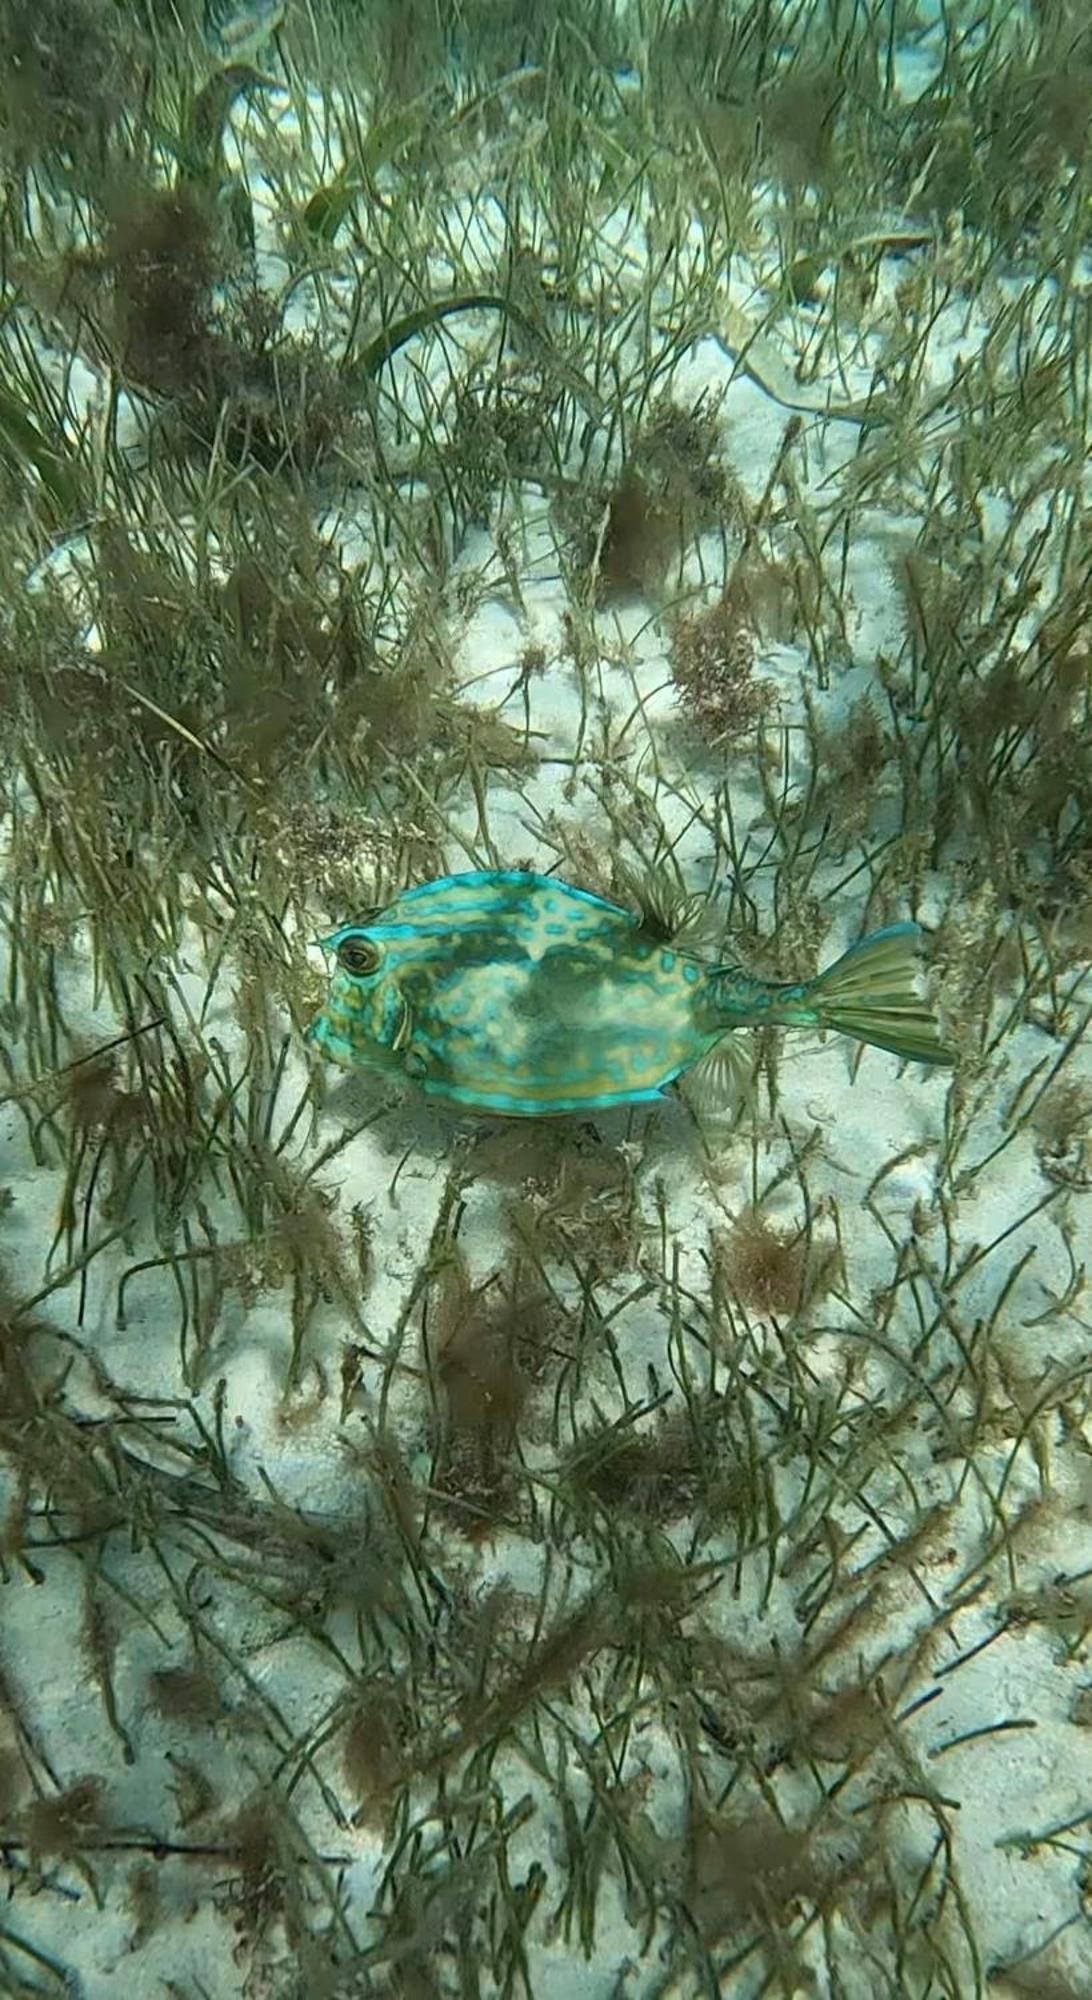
(993,1719)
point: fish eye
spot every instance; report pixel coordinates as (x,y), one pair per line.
(357,956)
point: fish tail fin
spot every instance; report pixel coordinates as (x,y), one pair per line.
(874,993)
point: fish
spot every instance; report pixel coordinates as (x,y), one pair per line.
(235,30)
(508,992)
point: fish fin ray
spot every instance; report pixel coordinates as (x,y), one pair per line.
(722,1083)
(665,911)
(875,993)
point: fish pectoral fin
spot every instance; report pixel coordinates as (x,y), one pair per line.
(722,1084)
(404,1025)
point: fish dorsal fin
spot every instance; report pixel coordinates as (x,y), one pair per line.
(667,913)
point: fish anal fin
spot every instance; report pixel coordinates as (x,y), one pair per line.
(722,1084)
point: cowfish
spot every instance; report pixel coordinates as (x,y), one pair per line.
(236,30)
(509,992)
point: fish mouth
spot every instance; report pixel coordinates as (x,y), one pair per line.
(317,1031)
(332,1035)
(322,1034)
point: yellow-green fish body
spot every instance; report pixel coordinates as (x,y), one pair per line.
(508,992)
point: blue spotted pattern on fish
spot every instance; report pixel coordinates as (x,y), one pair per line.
(509,992)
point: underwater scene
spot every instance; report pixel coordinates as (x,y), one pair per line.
(546,999)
